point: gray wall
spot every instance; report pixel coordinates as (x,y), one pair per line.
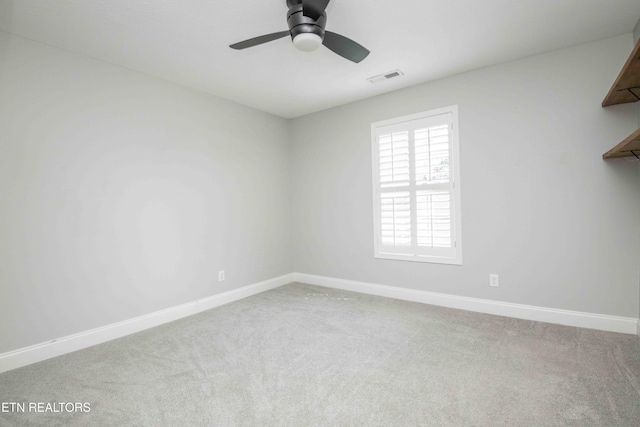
(122,194)
(636,39)
(539,205)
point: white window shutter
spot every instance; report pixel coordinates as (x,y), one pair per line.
(416,203)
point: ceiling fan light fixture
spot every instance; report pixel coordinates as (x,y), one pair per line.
(307,42)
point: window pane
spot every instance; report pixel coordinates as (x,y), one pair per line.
(395,216)
(433,217)
(432,155)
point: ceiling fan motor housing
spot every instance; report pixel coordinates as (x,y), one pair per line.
(300,24)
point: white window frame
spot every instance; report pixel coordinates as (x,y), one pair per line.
(413,253)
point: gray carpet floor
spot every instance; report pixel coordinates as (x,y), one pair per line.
(304,355)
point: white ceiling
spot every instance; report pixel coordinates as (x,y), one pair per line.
(186,41)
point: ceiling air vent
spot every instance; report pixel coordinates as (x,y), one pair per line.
(386,76)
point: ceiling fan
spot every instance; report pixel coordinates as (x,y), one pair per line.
(307,19)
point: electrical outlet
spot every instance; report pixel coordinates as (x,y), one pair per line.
(493,280)
(221,276)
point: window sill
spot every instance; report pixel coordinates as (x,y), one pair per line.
(420,258)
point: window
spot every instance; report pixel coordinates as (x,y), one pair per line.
(416,187)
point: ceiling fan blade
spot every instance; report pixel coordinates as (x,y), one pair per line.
(345,47)
(314,8)
(259,40)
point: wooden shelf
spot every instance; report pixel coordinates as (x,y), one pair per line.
(625,148)
(626,88)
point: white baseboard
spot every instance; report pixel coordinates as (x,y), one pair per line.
(625,325)
(57,347)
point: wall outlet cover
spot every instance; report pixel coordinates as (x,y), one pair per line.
(493,280)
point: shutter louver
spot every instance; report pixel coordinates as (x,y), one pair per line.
(433,214)
(394,159)
(432,155)
(395,218)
